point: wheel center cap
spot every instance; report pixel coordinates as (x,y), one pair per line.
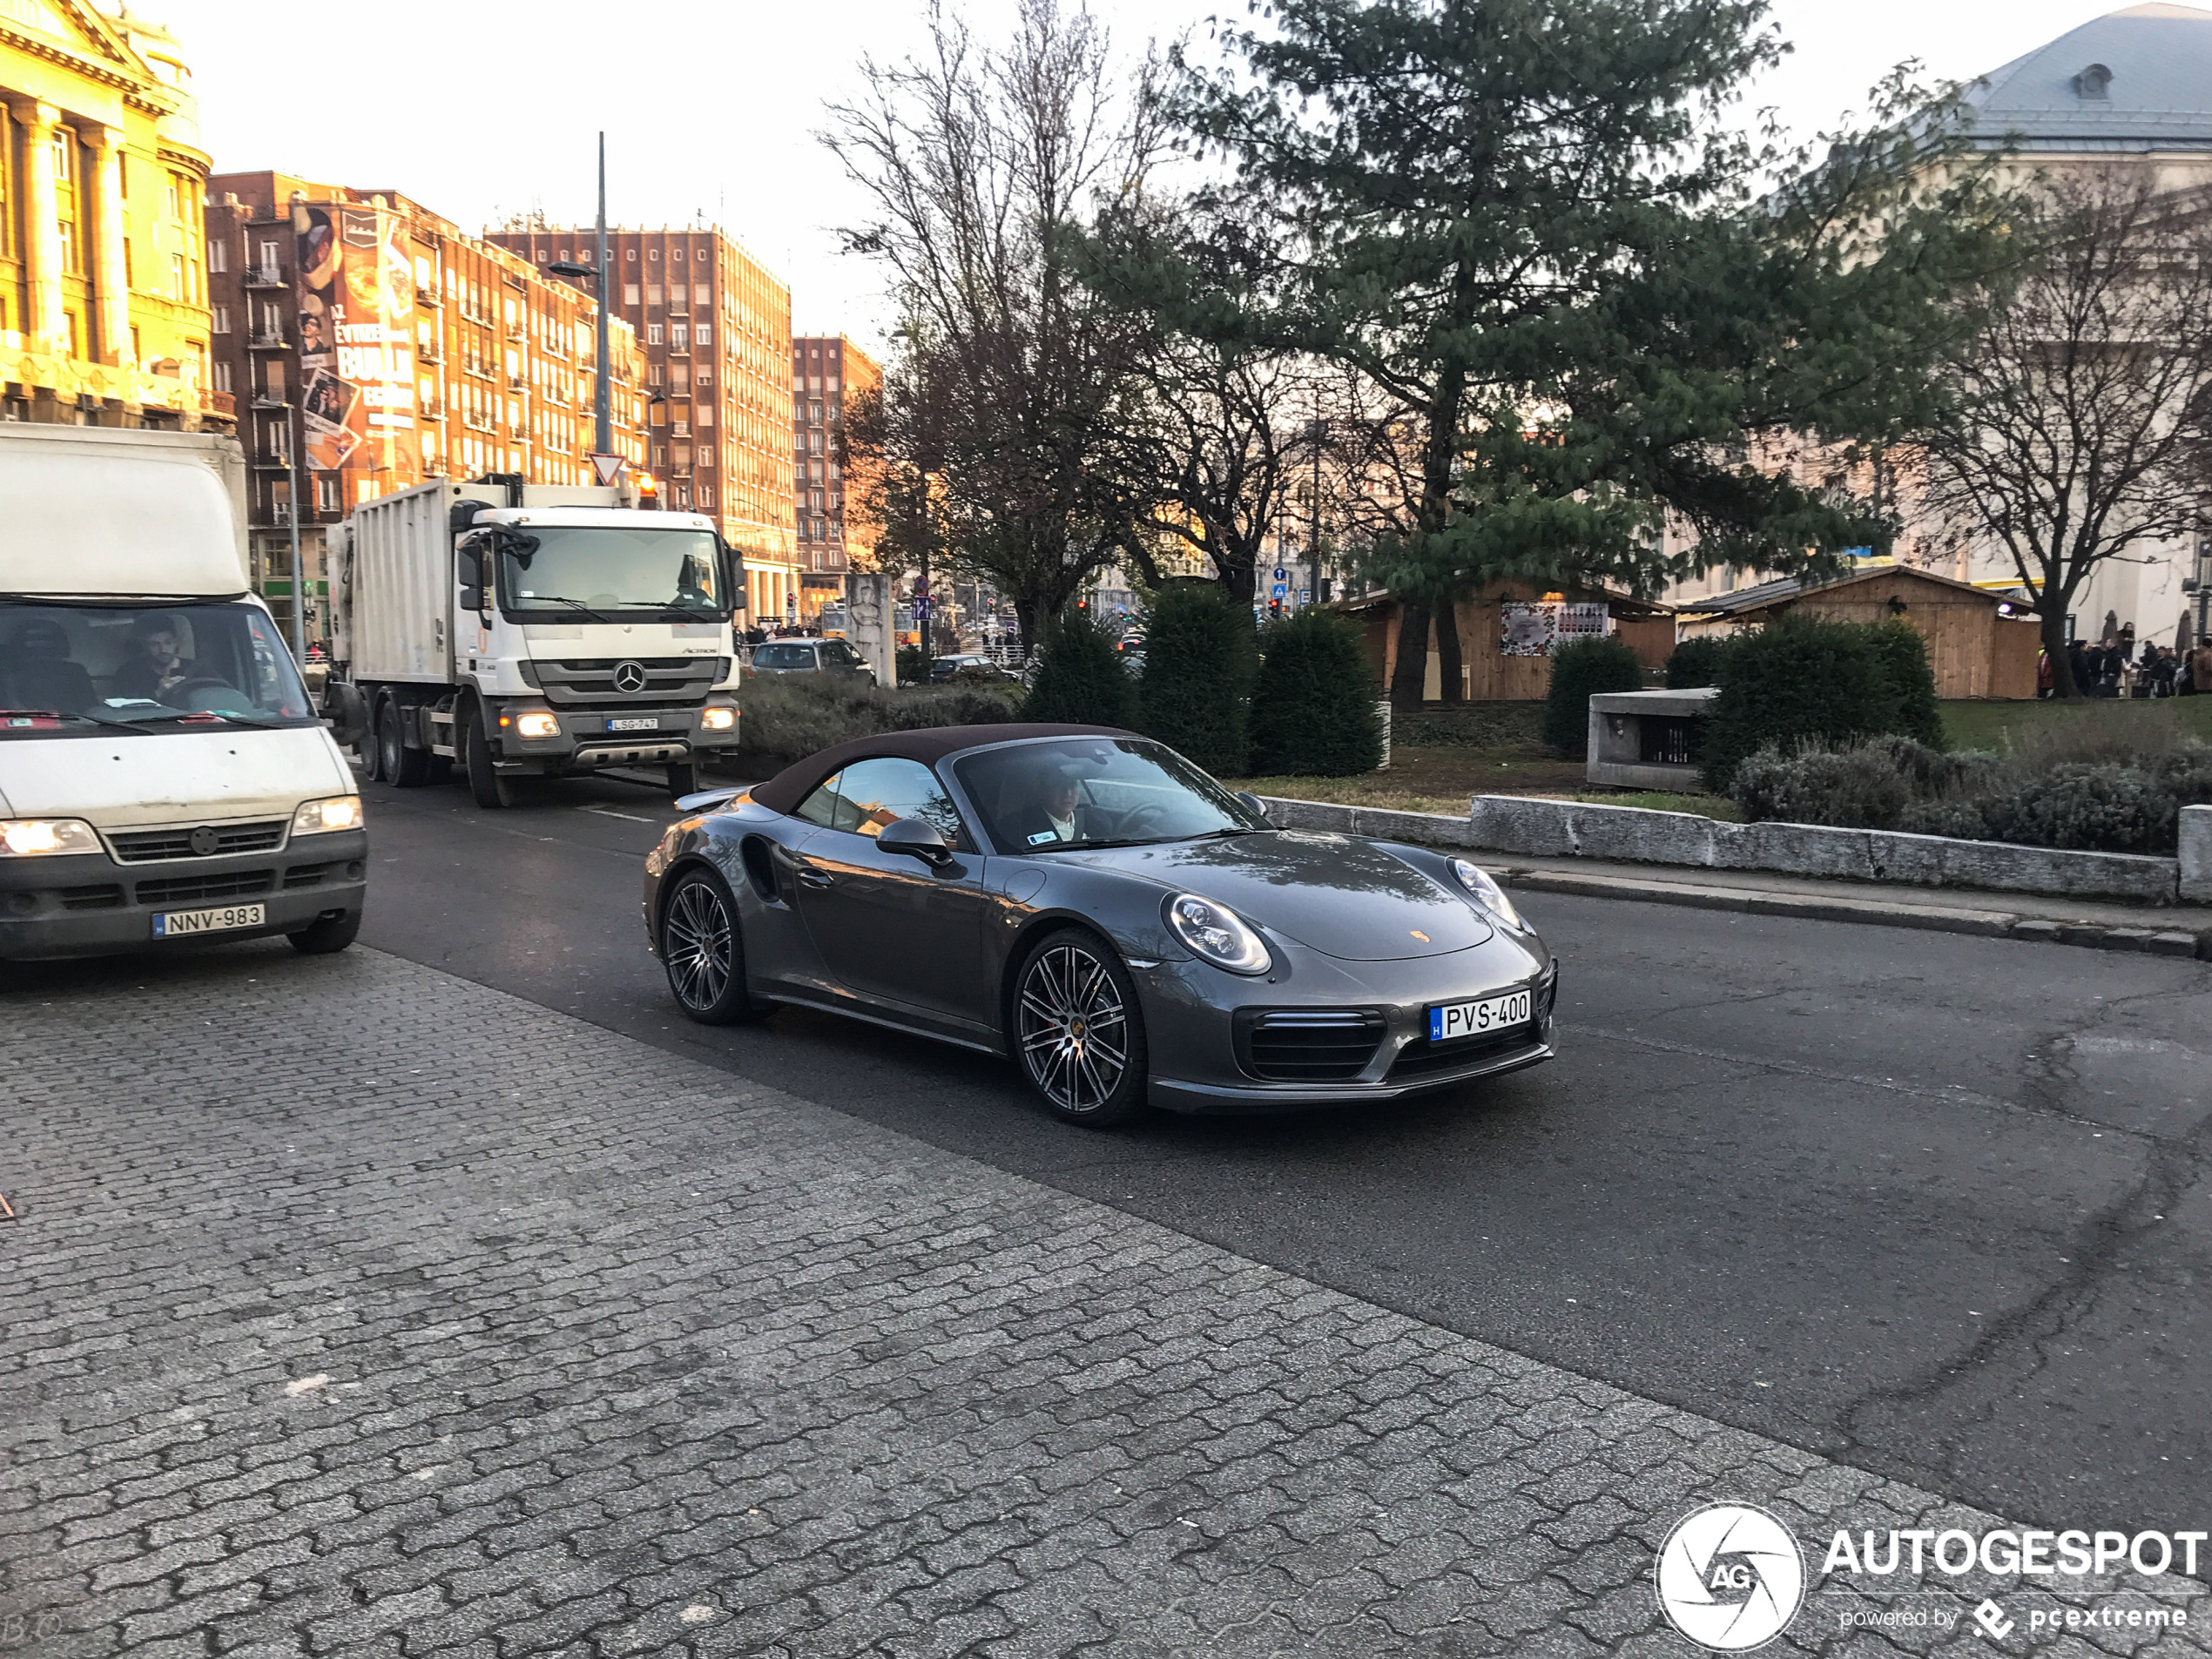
(1076,1028)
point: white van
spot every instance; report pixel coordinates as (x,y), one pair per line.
(165,778)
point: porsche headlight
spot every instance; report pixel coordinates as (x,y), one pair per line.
(1487,893)
(26,837)
(1215,935)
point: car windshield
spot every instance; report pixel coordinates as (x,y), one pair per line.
(79,669)
(574,567)
(783,657)
(1097,792)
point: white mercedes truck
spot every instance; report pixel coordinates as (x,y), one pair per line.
(165,779)
(516,630)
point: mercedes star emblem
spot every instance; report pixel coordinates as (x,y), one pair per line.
(629,677)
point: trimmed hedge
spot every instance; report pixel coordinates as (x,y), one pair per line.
(1080,680)
(1314,707)
(1580,672)
(1799,682)
(1201,657)
(1696,663)
(1904,656)
(790,716)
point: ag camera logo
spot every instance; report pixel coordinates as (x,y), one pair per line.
(1730,1577)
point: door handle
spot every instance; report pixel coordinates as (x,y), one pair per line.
(816,879)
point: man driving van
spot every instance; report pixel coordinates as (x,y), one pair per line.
(157,663)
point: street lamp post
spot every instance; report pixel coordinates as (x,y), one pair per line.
(603,433)
(298,600)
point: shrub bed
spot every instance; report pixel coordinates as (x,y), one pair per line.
(1201,657)
(1580,672)
(789,715)
(1080,680)
(2127,801)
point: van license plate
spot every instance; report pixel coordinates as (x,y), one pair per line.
(1449,1020)
(175,924)
(650,723)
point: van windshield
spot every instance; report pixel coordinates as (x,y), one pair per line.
(77,670)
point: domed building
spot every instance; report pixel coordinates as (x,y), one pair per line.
(2131,91)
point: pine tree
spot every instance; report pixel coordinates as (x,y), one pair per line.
(1313,709)
(1080,680)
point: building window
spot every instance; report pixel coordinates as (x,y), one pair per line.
(179,286)
(705,331)
(222,377)
(329,494)
(222,320)
(652,333)
(630,293)
(219,257)
(679,336)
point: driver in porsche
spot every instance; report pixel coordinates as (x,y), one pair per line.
(157,664)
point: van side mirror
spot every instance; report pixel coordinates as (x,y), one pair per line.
(916,838)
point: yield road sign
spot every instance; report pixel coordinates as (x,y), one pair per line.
(608,467)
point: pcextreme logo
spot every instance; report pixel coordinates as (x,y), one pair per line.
(1730,1577)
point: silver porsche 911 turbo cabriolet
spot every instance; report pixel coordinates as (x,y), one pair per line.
(1091,905)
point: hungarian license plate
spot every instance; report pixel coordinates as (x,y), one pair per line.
(175,924)
(645,723)
(1447,1021)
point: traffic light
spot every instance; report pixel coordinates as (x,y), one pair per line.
(1274,607)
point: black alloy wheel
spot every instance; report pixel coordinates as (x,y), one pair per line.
(702,952)
(397,764)
(1078,1032)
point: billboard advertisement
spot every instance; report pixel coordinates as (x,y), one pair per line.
(1531,630)
(357,343)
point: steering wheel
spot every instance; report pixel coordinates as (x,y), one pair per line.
(1149,819)
(230,699)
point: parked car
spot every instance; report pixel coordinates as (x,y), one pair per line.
(943,668)
(1092,905)
(811,656)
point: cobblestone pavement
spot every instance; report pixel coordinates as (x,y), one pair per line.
(355,1308)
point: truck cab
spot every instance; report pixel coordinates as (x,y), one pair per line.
(164,775)
(517,631)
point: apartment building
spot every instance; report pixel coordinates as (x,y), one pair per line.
(827,372)
(103,311)
(715,329)
(371,344)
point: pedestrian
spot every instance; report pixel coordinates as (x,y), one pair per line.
(2077,664)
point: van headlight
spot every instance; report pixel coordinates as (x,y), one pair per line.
(30,838)
(1215,936)
(1487,893)
(718,719)
(337,813)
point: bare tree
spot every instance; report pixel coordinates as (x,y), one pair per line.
(985,167)
(2083,411)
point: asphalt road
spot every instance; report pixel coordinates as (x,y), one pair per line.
(1933,1205)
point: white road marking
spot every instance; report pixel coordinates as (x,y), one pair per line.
(306,1385)
(609,812)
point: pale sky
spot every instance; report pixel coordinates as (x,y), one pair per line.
(479,109)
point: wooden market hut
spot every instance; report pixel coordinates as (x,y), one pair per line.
(1977,645)
(1486,673)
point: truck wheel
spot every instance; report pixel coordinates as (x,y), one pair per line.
(682,779)
(331,935)
(484,782)
(397,764)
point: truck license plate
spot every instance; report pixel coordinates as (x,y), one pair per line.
(647,723)
(1450,1020)
(175,924)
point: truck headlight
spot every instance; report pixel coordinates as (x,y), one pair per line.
(29,838)
(537,723)
(718,719)
(1215,935)
(1487,893)
(338,813)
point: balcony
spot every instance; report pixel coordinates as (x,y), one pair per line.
(429,297)
(430,352)
(267,339)
(262,276)
(272,461)
(681,429)
(515,333)
(222,403)
(516,383)
(269,400)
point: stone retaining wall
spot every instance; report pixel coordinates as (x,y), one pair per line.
(1632,835)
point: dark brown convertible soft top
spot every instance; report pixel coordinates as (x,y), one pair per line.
(791,786)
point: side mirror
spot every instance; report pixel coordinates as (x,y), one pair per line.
(1252,801)
(707,800)
(347,711)
(917,838)
(469,569)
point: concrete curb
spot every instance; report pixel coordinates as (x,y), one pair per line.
(1989,924)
